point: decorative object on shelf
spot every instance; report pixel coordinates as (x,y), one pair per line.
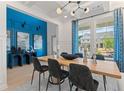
(59,10)
(94,59)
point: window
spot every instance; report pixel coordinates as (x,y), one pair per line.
(84,39)
(8,40)
(37,42)
(23,40)
(105,35)
(97,35)
(101,45)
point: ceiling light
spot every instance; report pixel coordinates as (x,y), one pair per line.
(86,10)
(65,16)
(72,13)
(58,10)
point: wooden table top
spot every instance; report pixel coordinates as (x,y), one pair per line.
(107,68)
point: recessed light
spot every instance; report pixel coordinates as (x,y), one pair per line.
(65,16)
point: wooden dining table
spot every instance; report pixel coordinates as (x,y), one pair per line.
(101,67)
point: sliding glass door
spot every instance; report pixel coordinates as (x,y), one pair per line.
(84,38)
(105,39)
(97,36)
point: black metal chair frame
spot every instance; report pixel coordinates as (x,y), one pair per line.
(40,72)
(71,83)
(50,78)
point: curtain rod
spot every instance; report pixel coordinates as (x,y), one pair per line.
(96,15)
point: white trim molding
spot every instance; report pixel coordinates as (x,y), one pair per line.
(3,36)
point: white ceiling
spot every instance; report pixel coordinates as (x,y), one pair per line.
(49,8)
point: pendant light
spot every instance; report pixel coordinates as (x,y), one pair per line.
(59,10)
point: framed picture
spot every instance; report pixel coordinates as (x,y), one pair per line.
(37,42)
(23,40)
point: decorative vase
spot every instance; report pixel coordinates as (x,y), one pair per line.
(94,59)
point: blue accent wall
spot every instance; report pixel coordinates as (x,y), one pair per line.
(32,25)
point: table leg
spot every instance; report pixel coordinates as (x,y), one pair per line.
(104,81)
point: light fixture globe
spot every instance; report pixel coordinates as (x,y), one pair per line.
(72,13)
(86,10)
(58,10)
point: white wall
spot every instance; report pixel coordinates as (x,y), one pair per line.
(65,37)
(3,71)
(51,31)
(116,4)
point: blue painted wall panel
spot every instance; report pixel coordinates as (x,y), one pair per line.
(15,19)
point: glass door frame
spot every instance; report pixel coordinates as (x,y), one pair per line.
(92,23)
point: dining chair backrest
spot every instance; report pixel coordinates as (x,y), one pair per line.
(81,76)
(36,64)
(54,68)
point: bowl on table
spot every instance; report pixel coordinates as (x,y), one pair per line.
(69,56)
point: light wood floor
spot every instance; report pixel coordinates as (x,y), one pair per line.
(18,76)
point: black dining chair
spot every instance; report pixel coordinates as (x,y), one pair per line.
(99,57)
(56,72)
(81,77)
(39,68)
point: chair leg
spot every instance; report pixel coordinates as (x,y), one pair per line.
(59,85)
(47,83)
(39,80)
(76,89)
(104,80)
(71,85)
(32,77)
